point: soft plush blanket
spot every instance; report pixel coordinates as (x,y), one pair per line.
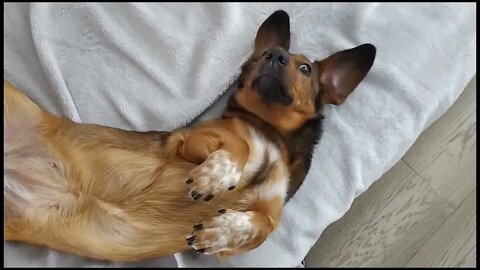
(157,66)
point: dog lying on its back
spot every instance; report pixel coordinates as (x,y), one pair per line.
(218,188)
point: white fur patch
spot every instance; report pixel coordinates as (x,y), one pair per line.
(218,173)
(32,185)
(33,179)
(259,148)
(226,232)
(273,189)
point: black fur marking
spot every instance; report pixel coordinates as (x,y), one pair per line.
(300,143)
(262,171)
(271,89)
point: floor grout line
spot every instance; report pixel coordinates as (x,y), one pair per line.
(448,207)
(444,200)
(433,188)
(439,227)
(443,221)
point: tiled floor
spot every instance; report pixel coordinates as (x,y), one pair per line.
(420,213)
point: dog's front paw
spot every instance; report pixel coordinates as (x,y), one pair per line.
(222,234)
(217,174)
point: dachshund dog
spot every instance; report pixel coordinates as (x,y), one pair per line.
(218,188)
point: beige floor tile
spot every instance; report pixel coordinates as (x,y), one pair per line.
(445,152)
(455,242)
(385,226)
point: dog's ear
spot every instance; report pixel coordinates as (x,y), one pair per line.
(340,73)
(274,32)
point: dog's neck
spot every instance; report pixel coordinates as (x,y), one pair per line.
(300,142)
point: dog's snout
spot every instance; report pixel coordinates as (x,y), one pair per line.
(277,55)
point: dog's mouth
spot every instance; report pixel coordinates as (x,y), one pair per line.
(271,87)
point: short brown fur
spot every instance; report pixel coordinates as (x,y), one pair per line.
(107,193)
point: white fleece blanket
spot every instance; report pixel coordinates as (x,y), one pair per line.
(157,66)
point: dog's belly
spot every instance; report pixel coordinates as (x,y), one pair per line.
(102,192)
(101,199)
(32,175)
(156,218)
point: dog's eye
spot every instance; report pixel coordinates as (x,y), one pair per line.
(305,69)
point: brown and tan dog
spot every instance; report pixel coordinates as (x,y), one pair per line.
(218,188)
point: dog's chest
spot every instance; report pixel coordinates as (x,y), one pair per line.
(265,169)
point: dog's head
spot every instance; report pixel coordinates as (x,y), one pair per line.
(286,90)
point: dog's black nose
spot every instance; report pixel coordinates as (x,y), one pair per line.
(277,55)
